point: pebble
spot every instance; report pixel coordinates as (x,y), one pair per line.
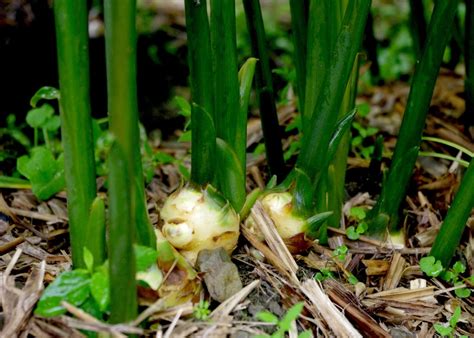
(221,276)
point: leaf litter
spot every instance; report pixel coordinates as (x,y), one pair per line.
(372,288)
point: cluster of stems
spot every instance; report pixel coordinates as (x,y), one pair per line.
(128,218)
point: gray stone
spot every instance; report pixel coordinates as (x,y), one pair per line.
(221,276)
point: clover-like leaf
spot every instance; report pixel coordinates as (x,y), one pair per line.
(352,233)
(430,266)
(448,276)
(53,123)
(459,267)
(45,173)
(38,117)
(362,228)
(358,213)
(462,292)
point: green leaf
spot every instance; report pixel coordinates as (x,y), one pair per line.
(91,307)
(448,276)
(14,183)
(341,250)
(88,259)
(362,228)
(183,106)
(100,289)
(443,330)
(246,74)
(291,315)
(303,193)
(145,257)
(186,136)
(352,233)
(341,128)
(53,123)
(363,109)
(267,317)
(430,266)
(459,267)
(96,231)
(371,131)
(44,93)
(45,173)
(358,213)
(203,146)
(38,117)
(463,292)
(314,223)
(453,321)
(163,158)
(353,279)
(305,334)
(70,286)
(356,141)
(230,176)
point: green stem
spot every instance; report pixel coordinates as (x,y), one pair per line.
(230,120)
(321,36)
(199,54)
(450,234)
(299,22)
(417,26)
(73,62)
(7,182)
(336,188)
(409,138)
(124,158)
(264,84)
(46,139)
(201,80)
(312,159)
(469,63)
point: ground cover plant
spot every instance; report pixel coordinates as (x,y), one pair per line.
(301,186)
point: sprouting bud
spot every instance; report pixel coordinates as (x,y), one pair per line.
(279,207)
(194,221)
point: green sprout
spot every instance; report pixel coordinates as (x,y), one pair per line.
(448,329)
(434,268)
(358,214)
(284,324)
(340,252)
(201,310)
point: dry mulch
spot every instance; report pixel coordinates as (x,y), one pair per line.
(392,298)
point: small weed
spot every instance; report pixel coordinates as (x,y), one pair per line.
(340,252)
(284,324)
(362,140)
(433,268)
(358,215)
(447,329)
(323,274)
(201,310)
